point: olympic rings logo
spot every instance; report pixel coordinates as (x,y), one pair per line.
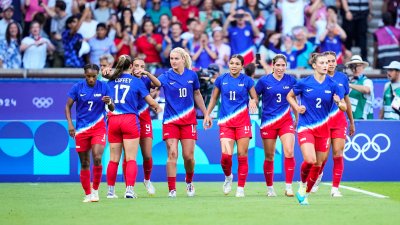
(368,144)
(42,102)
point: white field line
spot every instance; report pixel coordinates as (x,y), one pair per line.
(376,195)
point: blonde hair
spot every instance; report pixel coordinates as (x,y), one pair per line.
(124,62)
(184,55)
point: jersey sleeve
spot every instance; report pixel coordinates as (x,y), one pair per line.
(250,83)
(298,88)
(260,86)
(196,82)
(217,82)
(142,90)
(73,93)
(337,90)
(163,79)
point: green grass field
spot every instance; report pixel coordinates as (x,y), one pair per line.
(60,203)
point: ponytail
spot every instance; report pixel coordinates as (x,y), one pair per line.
(124,62)
(185,56)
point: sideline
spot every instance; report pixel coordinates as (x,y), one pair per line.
(376,195)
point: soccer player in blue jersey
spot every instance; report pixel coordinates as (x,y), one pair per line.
(123,123)
(277,121)
(338,127)
(181,88)
(234,119)
(146,128)
(317,95)
(90,96)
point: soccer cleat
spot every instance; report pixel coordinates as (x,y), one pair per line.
(336,193)
(190,189)
(289,191)
(149,187)
(300,197)
(130,193)
(316,185)
(172,194)
(240,192)
(111,192)
(87,198)
(271,192)
(300,194)
(95,195)
(305,201)
(227,186)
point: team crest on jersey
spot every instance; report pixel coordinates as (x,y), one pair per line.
(97,95)
(328,91)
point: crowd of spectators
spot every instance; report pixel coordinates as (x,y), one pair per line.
(70,33)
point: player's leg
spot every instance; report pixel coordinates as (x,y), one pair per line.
(338,165)
(269,151)
(131,148)
(146,145)
(172,158)
(227,146)
(243,167)
(84,157)
(97,153)
(189,163)
(287,140)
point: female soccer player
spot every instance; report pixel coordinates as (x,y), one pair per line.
(146,128)
(234,120)
(123,124)
(277,121)
(317,95)
(90,96)
(338,127)
(181,88)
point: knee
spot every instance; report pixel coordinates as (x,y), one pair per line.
(172,155)
(97,160)
(310,160)
(270,156)
(146,158)
(85,164)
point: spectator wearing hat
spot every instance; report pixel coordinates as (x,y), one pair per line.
(362,89)
(386,43)
(8,12)
(391,90)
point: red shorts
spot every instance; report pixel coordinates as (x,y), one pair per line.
(339,132)
(124,126)
(146,128)
(179,131)
(235,133)
(272,132)
(321,144)
(95,135)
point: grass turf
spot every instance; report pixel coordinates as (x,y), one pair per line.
(60,203)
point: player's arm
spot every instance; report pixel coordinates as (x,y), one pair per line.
(349,113)
(207,123)
(199,101)
(109,102)
(340,102)
(154,81)
(153,104)
(71,128)
(291,98)
(253,103)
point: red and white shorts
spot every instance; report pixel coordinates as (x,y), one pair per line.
(179,131)
(95,135)
(124,126)
(235,133)
(146,128)
(339,132)
(275,130)
(321,144)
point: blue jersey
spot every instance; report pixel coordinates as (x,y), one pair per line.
(179,96)
(142,105)
(126,91)
(234,110)
(274,92)
(339,117)
(318,100)
(90,109)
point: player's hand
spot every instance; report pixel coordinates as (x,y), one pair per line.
(106,99)
(71,131)
(295,123)
(336,98)
(157,109)
(107,72)
(253,106)
(207,122)
(301,109)
(352,129)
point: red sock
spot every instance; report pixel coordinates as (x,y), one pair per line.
(314,173)
(97,173)
(171,183)
(243,170)
(338,166)
(85,181)
(322,167)
(226,164)
(147,167)
(269,172)
(290,164)
(112,170)
(131,172)
(189,177)
(124,171)
(304,171)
